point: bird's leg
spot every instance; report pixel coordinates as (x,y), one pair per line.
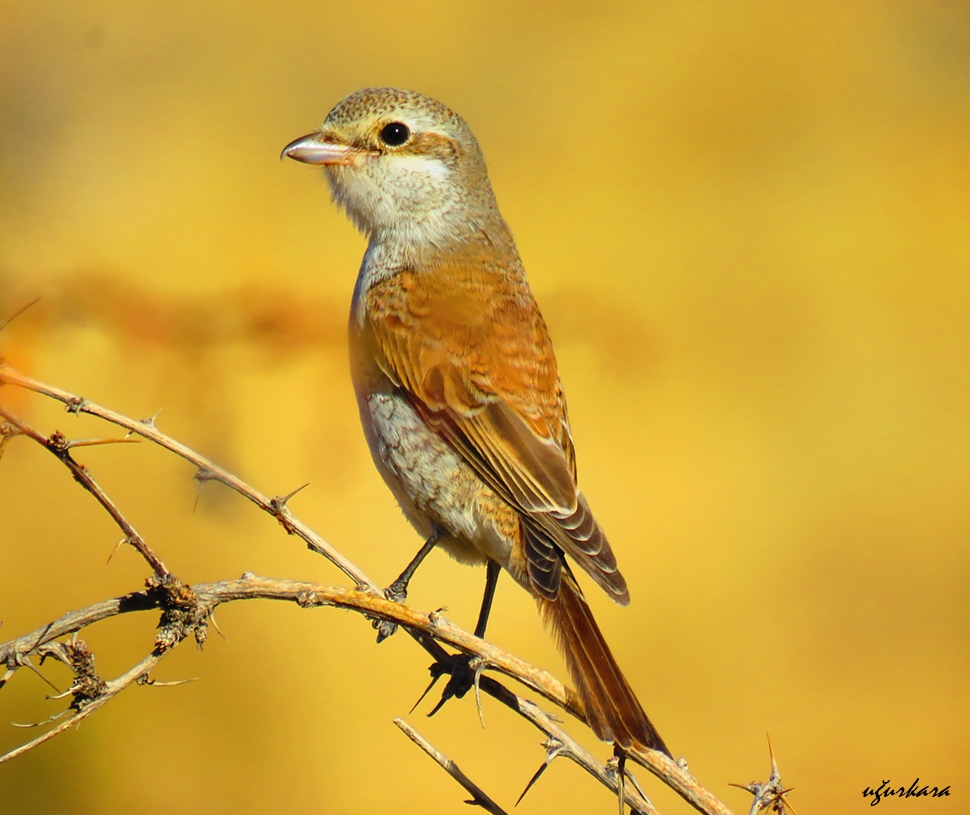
(398,590)
(462,674)
(492,570)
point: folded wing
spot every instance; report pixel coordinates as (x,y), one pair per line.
(471,350)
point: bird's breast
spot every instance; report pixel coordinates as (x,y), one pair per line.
(434,486)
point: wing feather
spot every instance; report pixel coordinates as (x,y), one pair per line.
(469,347)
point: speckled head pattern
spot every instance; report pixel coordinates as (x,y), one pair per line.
(390,102)
(434,182)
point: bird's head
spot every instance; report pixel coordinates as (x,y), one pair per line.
(404,166)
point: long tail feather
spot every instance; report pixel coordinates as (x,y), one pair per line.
(612,708)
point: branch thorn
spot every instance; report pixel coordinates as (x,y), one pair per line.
(553,748)
(117,546)
(18,312)
(203,476)
(144,679)
(148,421)
(53,718)
(479,669)
(770,794)
(215,625)
(92,442)
(435,676)
(281,503)
(26,663)
(277,508)
(75,405)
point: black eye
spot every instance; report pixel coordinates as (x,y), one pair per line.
(395,134)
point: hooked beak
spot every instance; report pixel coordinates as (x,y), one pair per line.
(311,150)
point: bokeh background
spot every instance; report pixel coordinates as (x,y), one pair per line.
(747,226)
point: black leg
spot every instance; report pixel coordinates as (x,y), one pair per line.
(492,570)
(398,590)
(462,676)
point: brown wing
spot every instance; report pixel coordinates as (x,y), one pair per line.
(469,346)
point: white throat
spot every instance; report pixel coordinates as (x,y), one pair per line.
(406,199)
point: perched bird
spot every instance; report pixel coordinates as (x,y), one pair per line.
(457,383)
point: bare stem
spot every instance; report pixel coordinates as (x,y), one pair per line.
(112,689)
(188,609)
(207,469)
(479,798)
(61,448)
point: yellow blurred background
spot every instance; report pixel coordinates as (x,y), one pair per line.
(747,226)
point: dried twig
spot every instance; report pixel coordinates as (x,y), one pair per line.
(770,794)
(200,600)
(111,689)
(61,448)
(197,603)
(479,798)
(18,312)
(560,743)
(212,472)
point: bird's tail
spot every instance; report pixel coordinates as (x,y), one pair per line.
(612,708)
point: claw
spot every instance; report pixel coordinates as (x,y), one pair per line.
(385,628)
(463,677)
(397,592)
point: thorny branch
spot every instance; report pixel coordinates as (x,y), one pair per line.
(769,795)
(61,448)
(186,611)
(479,798)
(207,470)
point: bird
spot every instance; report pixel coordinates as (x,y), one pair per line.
(457,383)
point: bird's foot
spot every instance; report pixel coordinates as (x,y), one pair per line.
(398,593)
(463,671)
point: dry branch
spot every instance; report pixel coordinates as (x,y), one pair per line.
(207,470)
(61,448)
(479,798)
(186,611)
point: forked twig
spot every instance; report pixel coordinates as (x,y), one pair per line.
(198,602)
(429,630)
(147,429)
(770,794)
(61,448)
(112,689)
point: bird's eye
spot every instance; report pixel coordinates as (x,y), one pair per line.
(395,134)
